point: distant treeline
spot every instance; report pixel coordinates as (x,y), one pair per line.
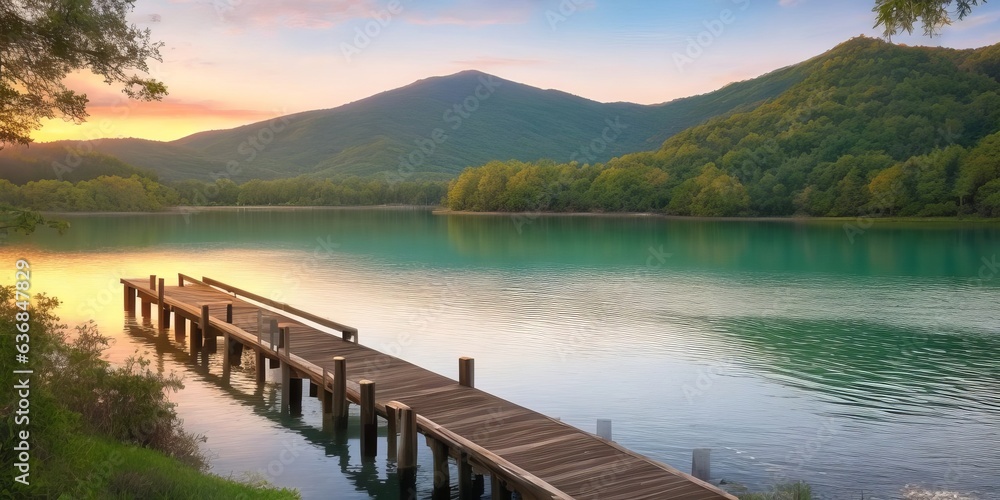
(946,182)
(110,193)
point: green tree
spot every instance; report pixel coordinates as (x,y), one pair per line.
(41,42)
(901,15)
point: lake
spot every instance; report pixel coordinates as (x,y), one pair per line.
(866,363)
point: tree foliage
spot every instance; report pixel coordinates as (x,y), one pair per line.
(873,129)
(41,42)
(902,15)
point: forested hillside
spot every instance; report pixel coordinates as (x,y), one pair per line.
(873,128)
(429,130)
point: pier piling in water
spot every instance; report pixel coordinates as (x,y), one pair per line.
(369,424)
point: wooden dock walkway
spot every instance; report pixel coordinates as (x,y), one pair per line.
(521,450)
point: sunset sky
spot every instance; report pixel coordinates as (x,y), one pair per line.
(232,62)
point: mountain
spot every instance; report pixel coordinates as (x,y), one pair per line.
(439,126)
(872,129)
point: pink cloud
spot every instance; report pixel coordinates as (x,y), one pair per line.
(483,13)
(306,14)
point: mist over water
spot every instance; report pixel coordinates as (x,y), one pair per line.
(867,367)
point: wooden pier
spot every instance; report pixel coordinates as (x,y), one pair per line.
(521,450)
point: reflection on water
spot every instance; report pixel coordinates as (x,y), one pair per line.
(862,367)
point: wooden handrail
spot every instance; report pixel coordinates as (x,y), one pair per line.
(281,306)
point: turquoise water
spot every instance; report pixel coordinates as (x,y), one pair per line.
(863,363)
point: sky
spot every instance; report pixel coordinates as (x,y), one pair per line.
(232,62)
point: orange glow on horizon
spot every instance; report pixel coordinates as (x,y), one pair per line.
(159,121)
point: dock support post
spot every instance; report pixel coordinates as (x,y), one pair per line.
(604,428)
(407,463)
(226,360)
(442,475)
(229,313)
(152,282)
(295,392)
(326,401)
(180,325)
(701,463)
(129,300)
(467,372)
(198,336)
(392,430)
(286,388)
(465,487)
(499,489)
(273,328)
(161,310)
(146,308)
(180,279)
(260,368)
(369,424)
(339,392)
(260,325)
(478,485)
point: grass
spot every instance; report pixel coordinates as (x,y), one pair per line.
(100,468)
(786,491)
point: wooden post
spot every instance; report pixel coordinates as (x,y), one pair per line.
(161,310)
(146,308)
(180,325)
(206,321)
(225,356)
(340,392)
(392,429)
(286,388)
(261,372)
(701,463)
(295,394)
(407,462)
(467,372)
(478,485)
(152,282)
(229,313)
(180,279)
(313,389)
(499,489)
(129,300)
(285,339)
(369,424)
(274,362)
(236,352)
(203,325)
(442,475)
(326,397)
(465,487)
(604,428)
(260,325)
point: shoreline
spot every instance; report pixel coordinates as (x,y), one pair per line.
(439,211)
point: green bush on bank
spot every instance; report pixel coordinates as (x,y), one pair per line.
(95,430)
